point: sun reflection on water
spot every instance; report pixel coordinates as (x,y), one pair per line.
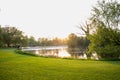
(63,53)
(58,52)
(36,52)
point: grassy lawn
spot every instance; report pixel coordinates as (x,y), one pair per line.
(23,67)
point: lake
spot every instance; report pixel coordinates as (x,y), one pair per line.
(56,51)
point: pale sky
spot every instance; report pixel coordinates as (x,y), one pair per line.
(45,18)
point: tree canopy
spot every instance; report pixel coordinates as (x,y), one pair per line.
(105,27)
(11,36)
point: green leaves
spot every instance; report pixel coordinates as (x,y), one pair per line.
(108,13)
(105,41)
(11,36)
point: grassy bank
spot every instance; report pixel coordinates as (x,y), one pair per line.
(24,67)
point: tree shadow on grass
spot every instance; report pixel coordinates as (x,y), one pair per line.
(113,62)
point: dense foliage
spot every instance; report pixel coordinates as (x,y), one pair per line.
(12,37)
(77,42)
(105,30)
(104,43)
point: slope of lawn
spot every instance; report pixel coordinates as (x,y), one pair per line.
(15,66)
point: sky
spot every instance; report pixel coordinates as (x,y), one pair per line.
(45,18)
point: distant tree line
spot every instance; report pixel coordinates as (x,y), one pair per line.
(46,41)
(52,42)
(12,37)
(75,41)
(77,45)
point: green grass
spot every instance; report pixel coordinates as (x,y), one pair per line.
(24,67)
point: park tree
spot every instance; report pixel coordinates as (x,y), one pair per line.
(107,12)
(78,42)
(72,40)
(105,22)
(1,41)
(12,37)
(25,41)
(85,29)
(31,41)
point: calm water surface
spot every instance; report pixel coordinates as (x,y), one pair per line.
(56,51)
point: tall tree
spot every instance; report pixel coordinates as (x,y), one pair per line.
(24,41)
(105,20)
(11,36)
(1,41)
(107,12)
(32,41)
(72,40)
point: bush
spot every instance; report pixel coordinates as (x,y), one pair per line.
(110,51)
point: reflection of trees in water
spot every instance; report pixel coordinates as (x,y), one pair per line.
(76,52)
(49,52)
(62,52)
